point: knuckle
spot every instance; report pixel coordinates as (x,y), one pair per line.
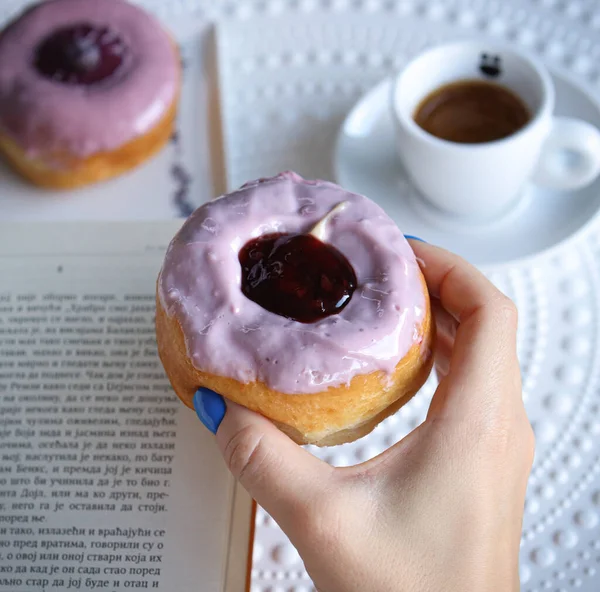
(510,312)
(505,310)
(506,436)
(528,445)
(499,436)
(244,453)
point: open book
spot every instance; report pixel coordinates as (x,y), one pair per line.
(107,482)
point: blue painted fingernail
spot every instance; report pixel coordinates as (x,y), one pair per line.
(210,408)
(410,236)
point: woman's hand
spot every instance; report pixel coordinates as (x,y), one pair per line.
(442,509)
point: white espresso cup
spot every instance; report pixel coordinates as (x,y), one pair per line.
(484,180)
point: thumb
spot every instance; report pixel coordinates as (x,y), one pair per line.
(280,475)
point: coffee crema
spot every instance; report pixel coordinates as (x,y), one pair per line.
(472,112)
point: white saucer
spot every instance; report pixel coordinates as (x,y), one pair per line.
(366,162)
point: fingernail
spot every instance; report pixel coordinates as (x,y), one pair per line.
(210,408)
(411,237)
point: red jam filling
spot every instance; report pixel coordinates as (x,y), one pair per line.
(82,54)
(296,276)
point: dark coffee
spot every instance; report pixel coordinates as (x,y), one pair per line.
(471,112)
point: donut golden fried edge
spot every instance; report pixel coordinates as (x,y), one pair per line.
(99,167)
(334,416)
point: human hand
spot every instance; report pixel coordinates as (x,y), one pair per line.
(442,509)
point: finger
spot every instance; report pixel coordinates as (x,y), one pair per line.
(445,323)
(280,475)
(460,287)
(484,352)
(442,357)
(446,326)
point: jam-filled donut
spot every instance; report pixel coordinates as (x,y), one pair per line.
(299,300)
(88,90)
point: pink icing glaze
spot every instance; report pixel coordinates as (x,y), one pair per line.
(229,335)
(43,116)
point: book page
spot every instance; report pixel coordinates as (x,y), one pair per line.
(107,481)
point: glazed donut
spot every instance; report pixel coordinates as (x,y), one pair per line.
(88,90)
(324,336)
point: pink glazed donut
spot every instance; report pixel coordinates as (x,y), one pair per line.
(326,335)
(88,90)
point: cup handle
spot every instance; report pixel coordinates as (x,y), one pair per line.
(570,157)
